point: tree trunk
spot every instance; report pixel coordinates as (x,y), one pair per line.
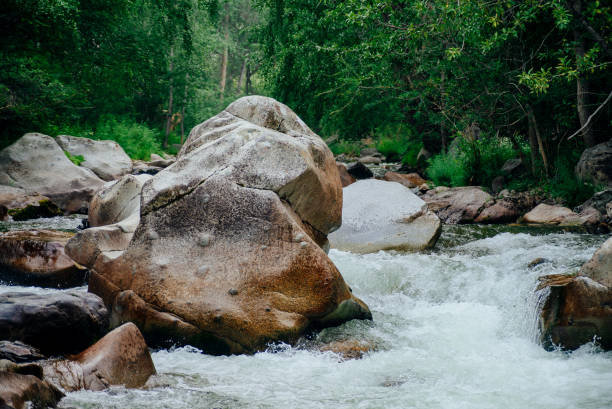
(183,110)
(442,106)
(243,71)
(247,82)
(170,100)
(536,131)
(225,52)
(582,87)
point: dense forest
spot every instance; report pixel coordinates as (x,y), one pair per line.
(473,82)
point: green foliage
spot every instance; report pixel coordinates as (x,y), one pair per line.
(138,140)
(349,148)
(76,159)
(398,142)
(447,169)
(565,187)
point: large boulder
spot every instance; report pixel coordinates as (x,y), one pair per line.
(37,258)
(22,206)
(36,164)
(559,215)
(105,158)
(228,253)
(120,358)
(379,215)
(56,323)
(599,267)
(17,389)
(457,204)
(595,164)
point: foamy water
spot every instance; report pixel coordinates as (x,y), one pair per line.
(453,328)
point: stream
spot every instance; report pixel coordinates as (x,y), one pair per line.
(455,327)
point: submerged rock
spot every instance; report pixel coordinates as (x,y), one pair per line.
(458,204)
(120,358)
(228,253)
(107,159)
(37,258)
(55,323)
(379,215)
(37,164)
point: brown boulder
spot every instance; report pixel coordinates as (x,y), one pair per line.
(458,204)
(38,258)
(120,358)
(410,180)
(345,177)
(503,211)
(227,255)
(17,389)
(553,214)
(22,206)
(599,267)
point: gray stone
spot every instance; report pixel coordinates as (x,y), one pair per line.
(595,164)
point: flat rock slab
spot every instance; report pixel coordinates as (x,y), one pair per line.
(19,352)
(37,258)
(57,323)
(379,215)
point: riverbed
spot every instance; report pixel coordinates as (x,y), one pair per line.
(455,327)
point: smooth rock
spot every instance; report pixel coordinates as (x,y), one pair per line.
(158,161)
(379,215)
(370,160)
(56,323)
(503,211)
(410,180)
(37,164)
(21,206)
(595,165)
(121,357)
(599,267)
(552,214)
(345,177)
(16,390)
(247,206)
(107,159)
(359,171)
(457,204)
(37,258)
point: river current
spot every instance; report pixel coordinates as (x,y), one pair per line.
(455,327)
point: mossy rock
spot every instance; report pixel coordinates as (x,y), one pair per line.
(45,208)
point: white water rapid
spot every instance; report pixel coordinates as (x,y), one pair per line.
(453,328)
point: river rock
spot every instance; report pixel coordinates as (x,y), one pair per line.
(553,214)
(359,171)
(379,215)
(20,391)
(410,180)
(345,177)
(107,159)
(599,267)
(37,258)
(36,164)
(349,349)
(370,160)
(595,164)
(600,201)
(22,206)
(158,161)
(121,357)
(502,211)
(56,323)
(228,253)
(457,204)
(19,352)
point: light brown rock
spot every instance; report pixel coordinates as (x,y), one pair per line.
(345,177)
(457,204)
(227,255)
(37,257)
(17,389)
(410,180)
(120,358)
(552,214)
(599,267)
(503,211)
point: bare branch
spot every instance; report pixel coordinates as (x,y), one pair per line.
(588,121)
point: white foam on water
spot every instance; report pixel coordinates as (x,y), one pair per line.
(454,328)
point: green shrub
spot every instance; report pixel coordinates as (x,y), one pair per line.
(447,169)
(350,148)
(138,140)
(395,141)
(76,159)
(565,187)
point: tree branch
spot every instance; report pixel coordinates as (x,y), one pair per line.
(588,121)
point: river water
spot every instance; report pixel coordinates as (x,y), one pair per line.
(453,328)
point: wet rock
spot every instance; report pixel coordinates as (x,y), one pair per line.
(55,323)
(379,215)
(345,177)
(538,261)
(105,158)
(37,258)
(144,168)
(19,352)
(457,204)
(576,311)
(37,164)
(410,180)
(359,171)
(120,358)
(349,349)
(595,165)
(265,190)
(370,160)
(18,391)
(21,206)
(599,267)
